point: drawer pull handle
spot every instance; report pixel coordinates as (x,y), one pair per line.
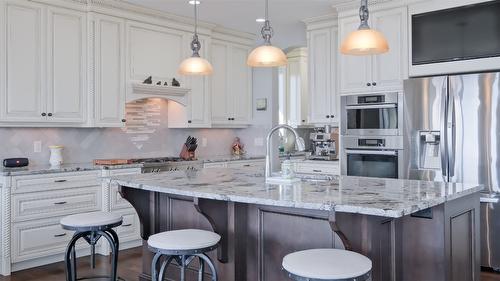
(128,224)
(60,203)
(60,235)
(60,180)
(317,171)
(246,165)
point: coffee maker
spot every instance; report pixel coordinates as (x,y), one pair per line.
(324,143)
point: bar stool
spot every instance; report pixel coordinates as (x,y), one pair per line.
(91,227)
(183,246)
(327,265)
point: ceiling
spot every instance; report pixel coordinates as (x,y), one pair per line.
(285,15)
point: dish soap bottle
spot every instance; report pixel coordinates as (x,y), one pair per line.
(287,171)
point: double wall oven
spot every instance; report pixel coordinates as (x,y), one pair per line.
(372,135)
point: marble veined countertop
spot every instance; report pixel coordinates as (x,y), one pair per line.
(370,196)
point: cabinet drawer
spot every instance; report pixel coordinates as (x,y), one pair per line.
(245,164)
(317,169)
(33,183)
(55,203)
(215,165)
(130,228)
(40,238)
(122,172)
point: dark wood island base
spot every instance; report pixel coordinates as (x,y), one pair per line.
(436,244)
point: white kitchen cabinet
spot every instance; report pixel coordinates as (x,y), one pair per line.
(296,88)
(67,65)
(23,90)
(196,112)
(324,98)
(385,72)
(45,65)
(231,85)
(109,71)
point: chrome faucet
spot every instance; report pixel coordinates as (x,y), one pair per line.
(269,160)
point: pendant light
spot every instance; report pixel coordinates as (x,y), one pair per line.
(195,65)
(364,41)
(267,55)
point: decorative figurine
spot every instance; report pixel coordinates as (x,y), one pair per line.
(148,80)
(165,84)
(158,83)
(175,83)
(238,147)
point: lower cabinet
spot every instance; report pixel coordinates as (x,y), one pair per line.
(38,239)
(31,232)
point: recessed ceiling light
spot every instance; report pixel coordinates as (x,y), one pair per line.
(194,2)
(260,20)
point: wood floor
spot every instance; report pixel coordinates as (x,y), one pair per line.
(129,267)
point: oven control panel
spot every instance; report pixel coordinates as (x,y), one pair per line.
(371,142)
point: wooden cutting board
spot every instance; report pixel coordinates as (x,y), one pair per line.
(111,161)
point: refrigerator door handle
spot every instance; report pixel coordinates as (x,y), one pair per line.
(451,134)
(444,138)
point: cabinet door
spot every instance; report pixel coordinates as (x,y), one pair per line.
(109,76)
(66,61)
(219,83)
(240,86)
(355,71)
(22,91)
(320,53)
(389,69)
(297,100)
(334,88)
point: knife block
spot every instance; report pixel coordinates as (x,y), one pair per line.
(186,154)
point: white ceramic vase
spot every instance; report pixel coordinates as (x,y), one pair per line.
(56,158)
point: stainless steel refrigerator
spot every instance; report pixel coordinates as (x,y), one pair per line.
(452,133)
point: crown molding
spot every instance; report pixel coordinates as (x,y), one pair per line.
(329,20)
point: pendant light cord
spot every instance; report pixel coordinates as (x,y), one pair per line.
(364,15)
(195,44)
(267,31)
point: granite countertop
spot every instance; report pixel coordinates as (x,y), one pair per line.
(369,196)
(47,169)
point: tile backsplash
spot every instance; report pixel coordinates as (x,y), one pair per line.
(146,135)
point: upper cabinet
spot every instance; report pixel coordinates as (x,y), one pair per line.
(76,64)
(295,88)
(384,72)
(323,93)
(109,71)
(231,85)
(44,69)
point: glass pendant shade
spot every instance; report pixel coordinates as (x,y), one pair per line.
(267,56)
(364,42)
(195,66)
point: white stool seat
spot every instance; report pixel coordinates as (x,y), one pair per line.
(93,219)
(185,239)
(328,264)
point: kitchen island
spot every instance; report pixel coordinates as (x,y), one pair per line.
(411,230)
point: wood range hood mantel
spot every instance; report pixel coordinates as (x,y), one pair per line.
(143,91)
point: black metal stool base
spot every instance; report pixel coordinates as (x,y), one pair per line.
(92,237)
(183,258)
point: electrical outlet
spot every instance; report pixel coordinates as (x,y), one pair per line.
(204,142)
(37,146)
(258,141)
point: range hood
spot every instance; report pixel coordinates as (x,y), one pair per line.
(139,90)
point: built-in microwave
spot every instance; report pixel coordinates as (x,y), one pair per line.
(454,37)
(378,114)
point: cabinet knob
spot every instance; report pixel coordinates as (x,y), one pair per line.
(44,114)
(374,83)
(328,116)
(189,121)
(303,120)
(368,84)
(332,116)
(49,114)
(229,118)
(124,120)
